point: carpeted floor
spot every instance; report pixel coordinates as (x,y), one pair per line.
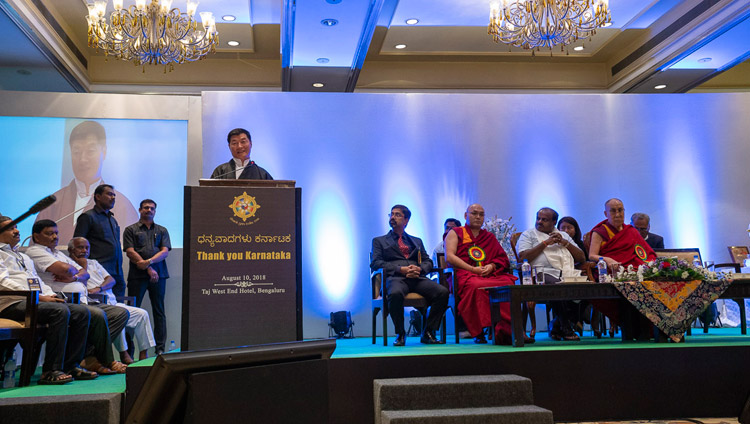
(363,347)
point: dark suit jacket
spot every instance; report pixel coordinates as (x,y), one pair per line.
(66,203)
(387,255)
(655,241)
(225,171)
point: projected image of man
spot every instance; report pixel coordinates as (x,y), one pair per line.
(88,150)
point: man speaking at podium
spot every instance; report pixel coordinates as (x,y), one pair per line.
(240,167)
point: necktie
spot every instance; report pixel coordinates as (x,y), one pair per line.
(402,246)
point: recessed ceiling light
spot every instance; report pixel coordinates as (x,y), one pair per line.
(400,46)
(660,87)
(578,48)
(704,60)
(318,84)
(233,43)
(228,18)
(329,22)
(322,60)
(23,72)
(412,21)
(607,24)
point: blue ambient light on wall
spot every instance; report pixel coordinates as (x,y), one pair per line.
(545,190)
(333,246)
(685,197)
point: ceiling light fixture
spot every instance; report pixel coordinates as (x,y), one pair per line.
(578,48)
(153,34)
(412,21)
(704,60)
(660,87)
(318,84)
(228,18)
(531,24)
(329,22)
(322,60)
(233,43)
(400,46)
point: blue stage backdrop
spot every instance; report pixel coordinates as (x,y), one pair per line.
(680,158)
(142,159)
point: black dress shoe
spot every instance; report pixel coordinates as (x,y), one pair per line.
(429,338)
(480,339)
(400,340)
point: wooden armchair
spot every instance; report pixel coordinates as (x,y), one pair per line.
(447,278)
(379,302)
(28,333)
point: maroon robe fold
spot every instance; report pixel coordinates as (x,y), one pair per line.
(474,303)
(626,246)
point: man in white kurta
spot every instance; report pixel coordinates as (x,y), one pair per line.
(554,254)
(101,282)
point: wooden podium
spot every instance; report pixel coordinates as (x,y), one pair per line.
(242,269)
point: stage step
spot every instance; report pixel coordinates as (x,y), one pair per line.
(524,414)
(471,399)
(79,409)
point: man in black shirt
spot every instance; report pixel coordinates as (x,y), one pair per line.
(240,167)
(147,246)
(101,229)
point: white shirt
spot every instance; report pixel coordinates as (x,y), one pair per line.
(15,270)
(44,257)
(98,275)
(239,166)
(553,258)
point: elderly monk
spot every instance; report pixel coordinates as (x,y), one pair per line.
(479,261)
(620,244)
(617,242)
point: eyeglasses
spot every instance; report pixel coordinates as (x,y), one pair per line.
(395,215)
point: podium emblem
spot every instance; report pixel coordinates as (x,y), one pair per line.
(244,206)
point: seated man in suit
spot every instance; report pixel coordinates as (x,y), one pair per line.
(642,223)
(556,253)
(405,263)
(60,272)
(240,167)
(67,324)
(479,261)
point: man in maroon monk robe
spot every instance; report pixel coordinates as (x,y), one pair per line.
(479,261)
(620,244)
(617,242)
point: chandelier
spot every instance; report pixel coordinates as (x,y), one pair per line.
(153,34)
(531,24)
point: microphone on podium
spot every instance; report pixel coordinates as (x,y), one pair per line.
(37,207)
(242,168)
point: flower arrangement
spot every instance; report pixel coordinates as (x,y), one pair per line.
(668,269)
(502,229)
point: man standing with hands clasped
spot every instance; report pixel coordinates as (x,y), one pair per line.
(147,245)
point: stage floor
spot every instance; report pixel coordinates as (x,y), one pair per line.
(362,347)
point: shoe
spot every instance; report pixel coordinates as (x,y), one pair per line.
(400,340)
(480,339)
(429,338)
(125,358)
(555,335)
(528,340)
(90,363)
(82,374)
(571,337)
(55,377)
